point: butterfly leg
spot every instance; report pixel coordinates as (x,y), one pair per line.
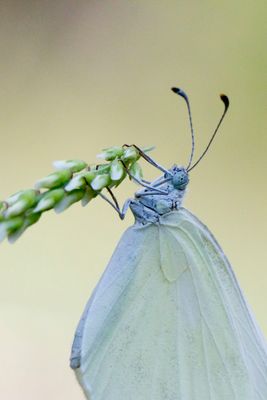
(122,212)
(142,182)
(153,190)
(147,158)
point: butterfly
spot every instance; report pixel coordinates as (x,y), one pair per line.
(168,320)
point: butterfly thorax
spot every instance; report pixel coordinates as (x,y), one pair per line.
(148,204)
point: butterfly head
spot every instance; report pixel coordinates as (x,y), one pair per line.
(179,177)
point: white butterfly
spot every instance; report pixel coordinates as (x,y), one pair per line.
(168,320)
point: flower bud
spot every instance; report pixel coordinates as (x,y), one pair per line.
(117,183)
(88,195)
(32,218)
(3,206)
(13,198)
(72,165)
(130,154)
(101,169)
(10,225)
(111,153)
(68,200)
(76,182)
(136,171)
(25,200)
(28,221)
(54,180)
(90,175)
(116,170)
(100,181)
(79,181)
(48,200)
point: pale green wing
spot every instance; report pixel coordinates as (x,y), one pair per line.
(173,258)
(126,337)
(168,322)
(116,278)
(223,335)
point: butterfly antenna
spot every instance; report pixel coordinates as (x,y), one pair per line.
(181,93)
(226,103)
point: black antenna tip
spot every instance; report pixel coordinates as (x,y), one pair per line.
(180,92)
(175,90)
(225,100)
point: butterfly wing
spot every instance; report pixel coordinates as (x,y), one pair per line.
(168,321)
(126,338)
(107,293)
(224,335)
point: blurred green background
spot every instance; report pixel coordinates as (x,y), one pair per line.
(77,76)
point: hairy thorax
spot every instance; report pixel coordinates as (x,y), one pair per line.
(148,207)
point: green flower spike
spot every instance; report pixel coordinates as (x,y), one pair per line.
(73,181)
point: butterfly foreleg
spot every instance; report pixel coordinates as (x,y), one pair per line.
(122,212)
(141,181)
(147,158)
(154,188)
